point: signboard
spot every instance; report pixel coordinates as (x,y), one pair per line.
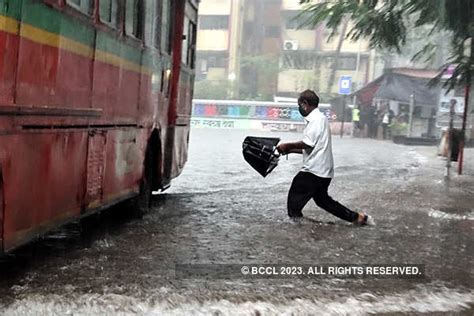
(448,72)
(443,116)
(345,83)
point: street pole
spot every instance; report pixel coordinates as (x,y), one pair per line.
(232,78)
(410,117)
(448,140)
(469,51)
(463,130)
(343,114)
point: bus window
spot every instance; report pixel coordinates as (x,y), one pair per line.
(134,18)
(166,26)
(185,51)
(85,6)
(150,24)
(192,46)
(108,10)
(189,42)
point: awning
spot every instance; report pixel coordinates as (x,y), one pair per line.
(399,84)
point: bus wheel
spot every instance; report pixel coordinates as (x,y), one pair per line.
(141,203)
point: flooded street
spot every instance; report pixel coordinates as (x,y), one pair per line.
(220,211)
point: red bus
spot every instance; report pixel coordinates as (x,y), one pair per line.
(95,105)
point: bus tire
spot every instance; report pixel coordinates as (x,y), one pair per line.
(142,202)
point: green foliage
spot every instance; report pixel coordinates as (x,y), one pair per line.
(266,65)
(261,86)
(244,95)
(399,128)
(386,23)
(380,21)
(210,89)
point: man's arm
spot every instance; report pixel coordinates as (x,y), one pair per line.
(292,148)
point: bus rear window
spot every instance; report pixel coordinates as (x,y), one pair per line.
(134,18)
(108,10)
(85,6)
(166,26)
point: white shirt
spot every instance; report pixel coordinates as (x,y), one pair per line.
(318,160)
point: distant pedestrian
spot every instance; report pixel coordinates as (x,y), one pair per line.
(363,123)
(355,121)
(385,124)
(318,167)
(371,121)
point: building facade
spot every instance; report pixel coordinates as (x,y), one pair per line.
(259,49)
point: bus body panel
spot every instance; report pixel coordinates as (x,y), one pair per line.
(43,181)
(79,106)
(116,78)
(125,151)
(64,180)
(9,40)
(55,58)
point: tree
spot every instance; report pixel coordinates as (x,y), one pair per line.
(211,89)
(386,23)
(259,73)
(342,36)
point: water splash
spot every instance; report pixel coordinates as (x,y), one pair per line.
(421,300)
(451,216)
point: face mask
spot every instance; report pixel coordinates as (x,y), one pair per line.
(302,111)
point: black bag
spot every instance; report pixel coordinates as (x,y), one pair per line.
(259,152)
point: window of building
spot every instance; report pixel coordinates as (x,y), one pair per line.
(214,22)
(134,18)
(108,12)
(403,108)
(293,23)
(84,6)
(166,26)
(203,66)
(346,63)
(211,60)
(300,60)
(328,31)
(272,31)
(217,62)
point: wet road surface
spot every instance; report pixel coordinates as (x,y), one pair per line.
(219,211)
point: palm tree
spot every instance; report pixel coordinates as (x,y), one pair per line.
(342,36)
(386,24)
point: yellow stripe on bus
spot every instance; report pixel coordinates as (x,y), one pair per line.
(9,25)
(40,36)
(116,61)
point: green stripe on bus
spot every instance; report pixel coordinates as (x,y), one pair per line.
(151,59)
(39,15)
(11,8)
(109,44)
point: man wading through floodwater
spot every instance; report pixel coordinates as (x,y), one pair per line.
(318,167)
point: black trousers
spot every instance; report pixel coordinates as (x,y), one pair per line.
(305,186)
(385,130)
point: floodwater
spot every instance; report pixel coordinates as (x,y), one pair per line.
(220,211)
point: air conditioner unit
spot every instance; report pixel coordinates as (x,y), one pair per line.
(290,45)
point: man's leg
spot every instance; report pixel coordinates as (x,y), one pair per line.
(324,201)
(300,193)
